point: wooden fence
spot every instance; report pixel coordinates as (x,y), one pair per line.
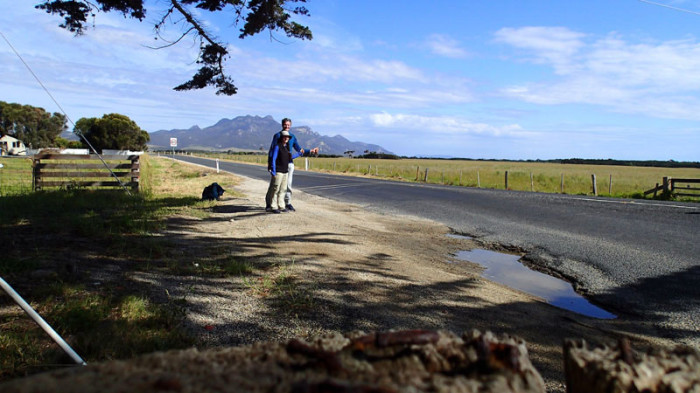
(676,187)
(69,170)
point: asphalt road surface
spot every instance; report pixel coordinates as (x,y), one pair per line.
(635,258)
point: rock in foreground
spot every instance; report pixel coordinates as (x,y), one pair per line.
(402,361)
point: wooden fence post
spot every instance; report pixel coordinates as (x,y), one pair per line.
(595,186)
(417,172)
(425,179)
(667,185)
(506,180)
(460,177)
(561,185)
(610,185)
(36,174)
(532,184)
(478,180)
(136,172)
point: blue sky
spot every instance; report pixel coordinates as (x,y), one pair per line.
(501,79)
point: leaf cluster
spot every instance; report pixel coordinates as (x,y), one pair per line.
(258,15)
(113,131)
(32,125)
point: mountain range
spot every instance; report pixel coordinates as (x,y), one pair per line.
(253,133)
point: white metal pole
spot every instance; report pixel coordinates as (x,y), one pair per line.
(41,322)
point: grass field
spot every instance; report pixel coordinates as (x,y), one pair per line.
(614,181)
(15,175)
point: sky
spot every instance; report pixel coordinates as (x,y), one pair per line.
(491,79)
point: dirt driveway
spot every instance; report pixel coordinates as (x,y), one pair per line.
(336,267)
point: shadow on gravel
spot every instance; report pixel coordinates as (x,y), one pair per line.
(653,299)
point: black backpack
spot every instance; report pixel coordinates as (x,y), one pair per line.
(212,191)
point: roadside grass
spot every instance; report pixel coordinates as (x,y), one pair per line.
(53,239)
(281,286)
(611,180)
(15,176)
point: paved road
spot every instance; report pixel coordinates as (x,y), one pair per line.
(637,258)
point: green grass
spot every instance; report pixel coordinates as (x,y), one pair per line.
(282,287)
(611,180)
(15,176)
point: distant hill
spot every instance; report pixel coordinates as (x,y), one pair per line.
(252,133)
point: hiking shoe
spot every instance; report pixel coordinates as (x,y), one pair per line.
(291,208)
(284,210)
(268,208)
(277,211)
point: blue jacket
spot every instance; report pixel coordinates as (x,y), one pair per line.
(292,144)
(275,152)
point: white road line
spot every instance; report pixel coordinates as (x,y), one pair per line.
(638,203)
(347,185)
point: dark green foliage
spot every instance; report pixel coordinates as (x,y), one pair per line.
(645,163)
(113,131)
(66,144)
(259,15)
(33,126)
(383,156)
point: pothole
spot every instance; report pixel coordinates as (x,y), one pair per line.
(507,270)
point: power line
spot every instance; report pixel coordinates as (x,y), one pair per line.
(80,134)
(37,78)
(671,7)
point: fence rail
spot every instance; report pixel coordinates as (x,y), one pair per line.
(677,187)
(70,170)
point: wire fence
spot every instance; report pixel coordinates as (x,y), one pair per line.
(15,176)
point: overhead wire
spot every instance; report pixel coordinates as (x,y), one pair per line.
(80,134)
(670,7)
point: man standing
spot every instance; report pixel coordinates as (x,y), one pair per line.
(293,143)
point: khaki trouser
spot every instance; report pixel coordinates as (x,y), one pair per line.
(288,193)
(278,187)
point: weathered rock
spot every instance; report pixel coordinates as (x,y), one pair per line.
(619,369)
(403,361)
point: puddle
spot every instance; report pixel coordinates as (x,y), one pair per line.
(506,269)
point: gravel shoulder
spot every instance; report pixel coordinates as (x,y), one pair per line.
(332,267)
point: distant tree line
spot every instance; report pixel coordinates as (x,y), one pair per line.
(37,128)
(381,156)
(645,163)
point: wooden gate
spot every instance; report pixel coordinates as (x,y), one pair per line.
(83,171)
(676,187)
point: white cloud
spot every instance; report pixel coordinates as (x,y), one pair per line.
(660,79)
(547,45)
(441,124)
(443,45)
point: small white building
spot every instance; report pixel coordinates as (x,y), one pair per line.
(12,146)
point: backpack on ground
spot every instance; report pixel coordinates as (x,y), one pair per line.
(212,192)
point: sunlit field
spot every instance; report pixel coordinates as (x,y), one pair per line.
(611,180)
